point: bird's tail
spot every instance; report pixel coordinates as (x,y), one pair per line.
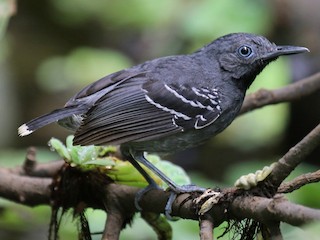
(51,117)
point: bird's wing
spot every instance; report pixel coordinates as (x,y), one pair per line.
(190,107)
(93,92)
(141,109)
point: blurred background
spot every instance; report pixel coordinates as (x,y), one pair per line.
(53,48)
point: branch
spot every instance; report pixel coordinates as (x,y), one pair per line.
(113,226)
(259,208)
(274,231)
(35,191)
(31,167)
(298,182)
(30,191)
(29,184)
(293,157)
(206,227)
(291,92)
(273,209)
(159,224)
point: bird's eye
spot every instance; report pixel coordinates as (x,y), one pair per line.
(245,51)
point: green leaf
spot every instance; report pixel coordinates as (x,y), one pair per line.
(101,162)
(59,147)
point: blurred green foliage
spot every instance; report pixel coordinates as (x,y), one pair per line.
(7,9)
(135,13)
(80,66)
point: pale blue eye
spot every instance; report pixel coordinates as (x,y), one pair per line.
(245,51)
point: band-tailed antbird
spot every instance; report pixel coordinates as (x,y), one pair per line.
(169,103)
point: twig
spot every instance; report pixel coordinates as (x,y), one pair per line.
(298,182)
(206,227)
(291,92)
(274,231)
(113,226)
(159,224)
(30,161)
(293,157)
(30,167)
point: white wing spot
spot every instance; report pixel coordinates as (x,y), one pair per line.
(177,114)
(197,126)
(197,92)
(213,102)
(192,103)
(205,90)
(213,96)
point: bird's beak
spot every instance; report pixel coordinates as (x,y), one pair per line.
(284,50)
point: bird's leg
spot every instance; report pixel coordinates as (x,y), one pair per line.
(139,156)
(151,182)
(175,189)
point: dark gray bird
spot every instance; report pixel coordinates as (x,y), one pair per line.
(169,103)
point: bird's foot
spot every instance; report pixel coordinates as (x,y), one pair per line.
(143,192)
(175,192)
(251,180)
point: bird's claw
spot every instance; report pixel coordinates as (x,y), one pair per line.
(140,193)
(168,208)
(175,192)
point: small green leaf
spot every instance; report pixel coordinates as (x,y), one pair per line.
(101,162)
(58,146)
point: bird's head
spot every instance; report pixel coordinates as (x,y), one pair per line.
(244,55)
